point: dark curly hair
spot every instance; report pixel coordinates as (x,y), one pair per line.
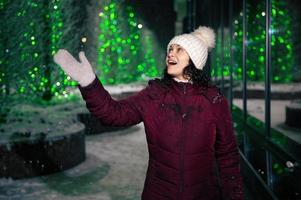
(199,77)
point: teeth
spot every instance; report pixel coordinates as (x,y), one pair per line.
(172,62)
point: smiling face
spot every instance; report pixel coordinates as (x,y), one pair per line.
(176,60)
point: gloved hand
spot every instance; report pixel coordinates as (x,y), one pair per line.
(81,72)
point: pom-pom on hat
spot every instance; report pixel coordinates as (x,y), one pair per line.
(197,44)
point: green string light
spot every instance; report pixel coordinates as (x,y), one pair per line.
(34,44)
(122,56)
(281,43)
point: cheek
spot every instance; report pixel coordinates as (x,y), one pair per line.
(182,66)
(186,62)
(185,59)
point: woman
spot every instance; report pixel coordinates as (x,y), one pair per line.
(193,154)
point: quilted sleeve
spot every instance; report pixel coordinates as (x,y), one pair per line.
(227,154)
(124,112)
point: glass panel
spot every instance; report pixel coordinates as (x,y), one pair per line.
(216,73)
(286,71)
(237,37)
(255,58)
(286,95)
(226,50)
(255,66)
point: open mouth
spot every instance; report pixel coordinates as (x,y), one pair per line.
(171,62)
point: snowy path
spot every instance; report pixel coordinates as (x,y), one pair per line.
(114,170)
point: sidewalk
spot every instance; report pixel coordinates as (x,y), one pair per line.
(114,169)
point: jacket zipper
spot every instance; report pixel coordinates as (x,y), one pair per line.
(182,151)
(181,166)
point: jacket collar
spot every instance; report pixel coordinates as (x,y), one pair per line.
(159,88)
(189,87)
(183,81)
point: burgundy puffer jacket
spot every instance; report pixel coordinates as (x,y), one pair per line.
(190,135)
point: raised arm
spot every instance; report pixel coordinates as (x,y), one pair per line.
(98,100)
(118,113)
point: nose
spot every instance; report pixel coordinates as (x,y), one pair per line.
(170,54)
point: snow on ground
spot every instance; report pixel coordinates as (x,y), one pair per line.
(114,169)
(28,120)
(120,88)
(256,108)
(275,87)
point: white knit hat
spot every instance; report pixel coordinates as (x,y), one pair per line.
(197,44)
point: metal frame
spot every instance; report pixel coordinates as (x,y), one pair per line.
(222,44)
(244,54)
(231,52)
(267,98)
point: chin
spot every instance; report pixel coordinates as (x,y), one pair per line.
(169,72)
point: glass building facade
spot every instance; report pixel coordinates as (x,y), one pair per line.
(256,63)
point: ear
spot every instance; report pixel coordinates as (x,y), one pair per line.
(190,62)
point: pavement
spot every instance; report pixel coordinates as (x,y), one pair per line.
(114,169)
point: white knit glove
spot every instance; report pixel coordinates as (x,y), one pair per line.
(81,72)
